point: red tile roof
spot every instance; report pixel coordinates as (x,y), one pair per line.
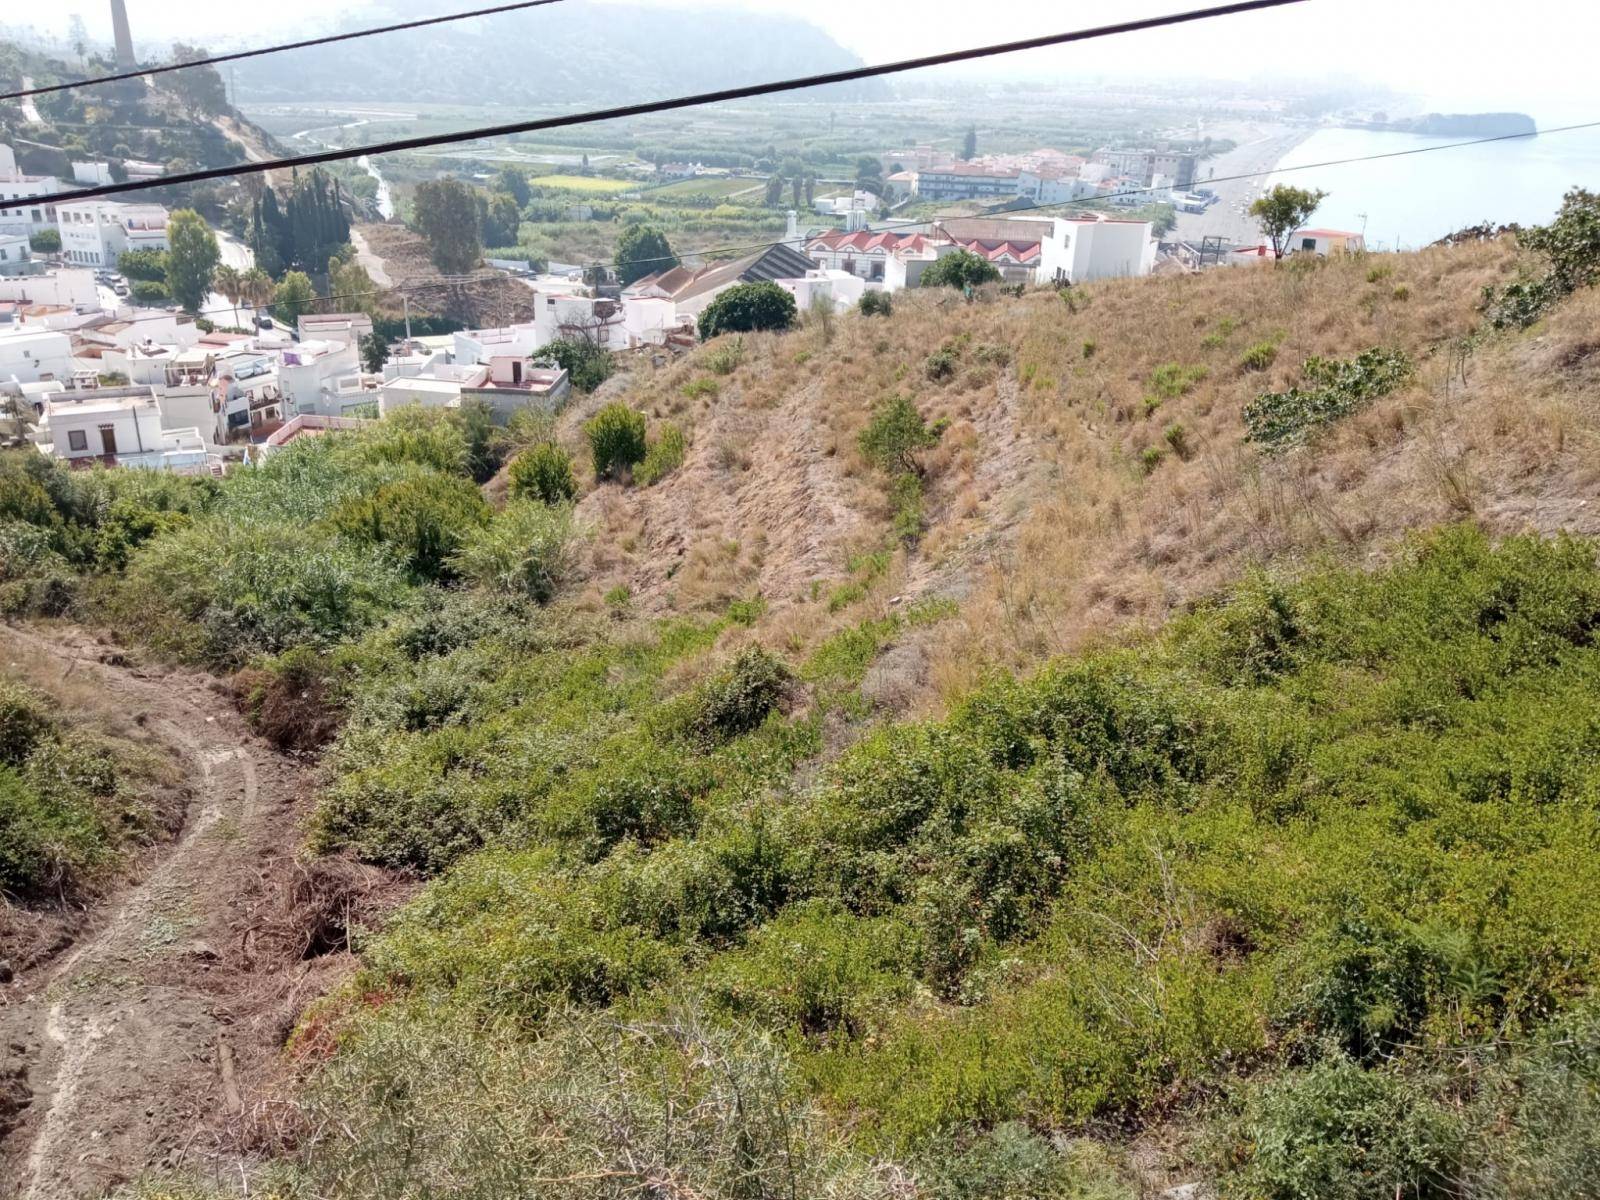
(867,241)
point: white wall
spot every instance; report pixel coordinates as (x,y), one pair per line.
(480,345)
(133,428)
(29,356)
(74,288)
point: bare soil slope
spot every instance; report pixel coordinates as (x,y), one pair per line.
(1094,474)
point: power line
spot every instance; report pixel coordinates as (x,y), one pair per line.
(746,92)
(235,57)
(883,226)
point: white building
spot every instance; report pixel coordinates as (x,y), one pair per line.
(91,174)
(119,426)
(95,233)
(14,185)
(69,288)
(839,288)
(15,257)
(323,377)
(480,345)
(1097,247)
(32,355)
(576,318)
(1325,242)
(506,383)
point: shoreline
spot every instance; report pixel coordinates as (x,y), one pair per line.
(1229,217)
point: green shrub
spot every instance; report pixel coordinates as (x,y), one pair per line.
(147,265)
(586,364)
(1259,357)
(424,520)
(876,304)
(24,723)
(724,359)
(818,969)
(223,592)
(524,551)
(1177,437)
(702,388)
(749,308)
(740,698)
(664,456)
(1150,458)
(1569,245)
(896,435)
(543,472)
(616,439)
(1172,380)
(1331,389)
(940,365)
(960,270)
(1013,1161)
(1337,1131)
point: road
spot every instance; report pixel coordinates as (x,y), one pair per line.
(30,110)
(1229,217)
(237,255)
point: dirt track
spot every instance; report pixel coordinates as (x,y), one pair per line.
(145,1044)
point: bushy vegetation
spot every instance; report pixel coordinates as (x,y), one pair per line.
(1330,389)
(321,542)
(543,472)
(1339,826)
(664,456)
(587,365)
(749,308)
(616,439)
(67,798)
(1569,250)
(960,269)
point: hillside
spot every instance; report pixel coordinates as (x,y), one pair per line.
(176,120)
(576,52)
(1160,752)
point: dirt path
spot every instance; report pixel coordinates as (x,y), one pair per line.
(138,1047)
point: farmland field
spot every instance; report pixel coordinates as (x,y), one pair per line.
(715,188)
(584,183)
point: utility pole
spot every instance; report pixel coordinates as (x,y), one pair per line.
(405,301)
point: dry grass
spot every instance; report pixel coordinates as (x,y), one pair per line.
(1042,521)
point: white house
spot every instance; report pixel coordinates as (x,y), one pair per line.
(1326,241)
(14,185)
(91,174)
(72,288)
(119,426)
(323,377)
(581,318)
(344,327)
(1097,247)
(480,345)
(95,233)
(32,355)
(506,383)
(15,257)
(842,289)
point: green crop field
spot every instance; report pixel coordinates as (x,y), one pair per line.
(717,188)
(583,183)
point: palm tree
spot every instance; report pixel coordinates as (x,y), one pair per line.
(256,287)
(228,282)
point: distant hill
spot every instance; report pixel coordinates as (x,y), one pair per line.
(574,52)
(1464,125)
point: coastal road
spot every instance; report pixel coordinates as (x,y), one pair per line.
(1230,217)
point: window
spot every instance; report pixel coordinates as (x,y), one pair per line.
(1308,244)
(77,439)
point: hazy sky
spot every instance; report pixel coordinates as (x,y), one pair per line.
(1465,54)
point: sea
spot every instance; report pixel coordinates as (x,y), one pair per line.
(1408,201)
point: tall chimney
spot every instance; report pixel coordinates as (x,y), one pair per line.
(792,232)
(119,25)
